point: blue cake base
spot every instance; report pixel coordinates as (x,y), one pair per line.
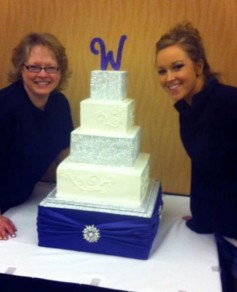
(125,232)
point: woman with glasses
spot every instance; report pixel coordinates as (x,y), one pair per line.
(208,127)
(35,120)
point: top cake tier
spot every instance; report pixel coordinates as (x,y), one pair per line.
(108,85)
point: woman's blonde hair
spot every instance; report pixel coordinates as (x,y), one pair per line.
(22,50)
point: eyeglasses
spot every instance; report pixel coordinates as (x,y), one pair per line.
(37,69)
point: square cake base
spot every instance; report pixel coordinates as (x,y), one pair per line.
(99,229)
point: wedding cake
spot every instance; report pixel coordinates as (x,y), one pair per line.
(104,200)
(105,165)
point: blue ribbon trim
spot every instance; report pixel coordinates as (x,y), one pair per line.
(140,231)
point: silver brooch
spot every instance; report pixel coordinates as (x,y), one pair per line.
(91,233)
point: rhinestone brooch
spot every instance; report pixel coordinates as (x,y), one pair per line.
(91,233)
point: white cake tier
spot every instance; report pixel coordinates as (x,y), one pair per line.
(115,149)
(109,85)
(106,185)
(107,115)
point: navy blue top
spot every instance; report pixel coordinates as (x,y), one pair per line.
(30,139)
(208,131)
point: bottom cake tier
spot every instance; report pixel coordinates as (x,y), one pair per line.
(102,184)
(100,229)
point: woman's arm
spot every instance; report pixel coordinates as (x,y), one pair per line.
(50,174)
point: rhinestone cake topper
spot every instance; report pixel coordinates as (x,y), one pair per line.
(107,58)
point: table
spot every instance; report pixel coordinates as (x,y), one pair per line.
(180,260)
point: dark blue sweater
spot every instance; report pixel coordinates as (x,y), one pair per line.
(30,139)
(208,131)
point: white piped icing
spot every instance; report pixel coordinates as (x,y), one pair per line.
(103,184)
(107,116)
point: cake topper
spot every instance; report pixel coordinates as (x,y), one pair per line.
(107,58)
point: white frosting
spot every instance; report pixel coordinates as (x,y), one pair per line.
(107,116)
(105,166)
(108,85)
(102,184)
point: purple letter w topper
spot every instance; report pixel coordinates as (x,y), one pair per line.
(108,58)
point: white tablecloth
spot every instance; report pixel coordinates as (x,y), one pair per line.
(180,260)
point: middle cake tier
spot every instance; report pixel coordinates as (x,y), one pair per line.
(94,147)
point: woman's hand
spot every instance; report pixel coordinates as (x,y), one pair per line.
(187,218)
(6,228)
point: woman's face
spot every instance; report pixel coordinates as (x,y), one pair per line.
(40,85)
(180,77)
